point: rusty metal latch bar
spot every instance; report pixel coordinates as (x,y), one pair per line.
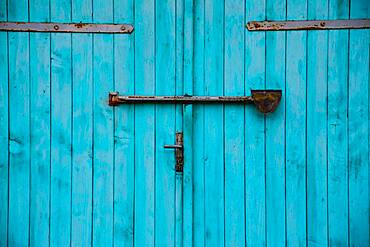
(66,27)
(179,152)
(266,101)
(308,25)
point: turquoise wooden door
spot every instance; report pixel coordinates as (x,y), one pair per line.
(75,171)
(298,176)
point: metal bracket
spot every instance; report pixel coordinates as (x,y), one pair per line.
(266,101)
(308,25)
(56,27)
(179,151)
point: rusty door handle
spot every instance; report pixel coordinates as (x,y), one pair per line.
(179,151)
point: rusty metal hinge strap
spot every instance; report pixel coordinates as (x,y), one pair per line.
(66,27)
(308,25)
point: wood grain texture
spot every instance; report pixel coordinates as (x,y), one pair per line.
(165,83)
(198,127)
(124,135)
(4,129)
(19,128)
(82,128)
(103,69)
(188,124)
(296,128)
(61,128)
(275,130)
(179,75)
(358,126)
(337,128)
(75,171)
(317,66)
(40,127)
(255,163)
(234,125)
(213,122)
(144,124)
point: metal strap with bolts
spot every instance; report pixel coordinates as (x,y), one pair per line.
(55,27)
(308,25)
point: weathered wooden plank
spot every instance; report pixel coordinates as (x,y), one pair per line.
(61,128)
(255,170)
(165,80)
(337,128)
(275,130)
(40,127)
(358,129)
(296,128)
(103,68)
(124,130)
(179,67)
(144,124)
(19,129)
(234,125)
(213,122)
(179,230)
(4,129)
(317,66)
(198,127)
(82,128)
(188,125)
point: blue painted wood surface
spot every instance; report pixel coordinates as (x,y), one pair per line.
(338,128)
(124,135)
(19,129)
(77,172)
(4,127)
(275,130)
(82,128)
(61,128)
(40,127)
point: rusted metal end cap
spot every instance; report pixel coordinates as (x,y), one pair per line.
(127,28)
(266,101)
(113,98)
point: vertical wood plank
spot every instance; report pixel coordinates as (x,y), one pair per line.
(4,129)
(188,123)
(275,129)
(213,121)
(61,128)
(234,125)
(179,26)
(255,131)
(19,128)
(358,126)
(198,126)
(82,129)
(296,127)
(144,123)
(165,124)
(103,128)
(124,76)
(40,126)
(317,65)
(337,128)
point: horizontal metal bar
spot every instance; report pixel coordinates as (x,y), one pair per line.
(308,25)
(179,99)
(173,146)
(65,27)
(266,101)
